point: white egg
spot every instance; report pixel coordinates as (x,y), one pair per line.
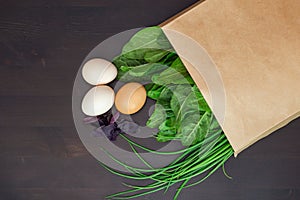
(99,71)
(98,100)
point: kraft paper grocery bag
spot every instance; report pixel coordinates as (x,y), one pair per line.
(255,47)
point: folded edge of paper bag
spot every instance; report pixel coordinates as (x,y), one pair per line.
(255,47)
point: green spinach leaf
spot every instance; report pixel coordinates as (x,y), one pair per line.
(192,124)
(145,41)
(155,55)
(162,109)
(153,90)
(175,74)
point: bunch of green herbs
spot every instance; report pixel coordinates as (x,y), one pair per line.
(181,113)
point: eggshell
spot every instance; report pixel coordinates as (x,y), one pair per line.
(99,71)
(98,100)
(130,98)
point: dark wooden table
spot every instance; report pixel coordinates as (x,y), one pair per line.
(42,44)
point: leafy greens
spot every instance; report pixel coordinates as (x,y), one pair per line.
(181,112)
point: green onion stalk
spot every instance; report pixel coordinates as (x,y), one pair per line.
(192,163)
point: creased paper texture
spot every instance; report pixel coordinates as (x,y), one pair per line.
(255,45)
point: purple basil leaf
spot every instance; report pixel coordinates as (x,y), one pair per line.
(89,120)
(104,119)
(102,122)
(112,131)
(114,118)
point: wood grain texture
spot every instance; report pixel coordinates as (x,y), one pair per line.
(42,44)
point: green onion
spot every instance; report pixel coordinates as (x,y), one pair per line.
(187,166)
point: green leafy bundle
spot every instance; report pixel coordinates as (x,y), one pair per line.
(181,113)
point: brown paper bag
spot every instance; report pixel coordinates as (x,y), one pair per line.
(255,46)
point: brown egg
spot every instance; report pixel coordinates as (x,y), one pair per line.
(130,98)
